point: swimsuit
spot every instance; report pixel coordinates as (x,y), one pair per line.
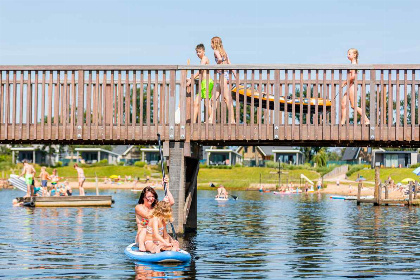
(204,86)
(28,179)
(44,183)
(226,72)
(149,230)
(142,221)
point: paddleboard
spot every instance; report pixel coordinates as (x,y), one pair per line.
(337,197)
(132,251)
(221,199)
(18,182)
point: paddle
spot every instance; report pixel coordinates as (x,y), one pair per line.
(233,196)
(164,183)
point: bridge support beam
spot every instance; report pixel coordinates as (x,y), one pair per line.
(183,170)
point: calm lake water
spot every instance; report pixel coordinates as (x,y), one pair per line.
(259,236)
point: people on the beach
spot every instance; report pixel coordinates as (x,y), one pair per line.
(68,188)
(44,179)
(353,56)
(81,178)
(157,238)
(147,201)
(221,57)
(28,172)
(222,192)
(200,50)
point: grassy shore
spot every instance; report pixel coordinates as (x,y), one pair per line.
(397,174)
(241,178)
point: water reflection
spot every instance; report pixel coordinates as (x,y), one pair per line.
(259,236)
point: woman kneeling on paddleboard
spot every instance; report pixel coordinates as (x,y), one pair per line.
(157,238)
(147,201)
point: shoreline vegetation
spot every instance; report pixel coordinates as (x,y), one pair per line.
(235,178)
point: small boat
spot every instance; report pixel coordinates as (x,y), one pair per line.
(181,256)
(308,104)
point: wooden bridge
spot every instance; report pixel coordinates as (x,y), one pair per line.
(131,104)
(262,105)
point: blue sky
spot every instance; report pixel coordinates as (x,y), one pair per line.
(166,32)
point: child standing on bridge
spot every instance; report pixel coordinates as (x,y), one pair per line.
(222,57)
(353,56)
(201,53)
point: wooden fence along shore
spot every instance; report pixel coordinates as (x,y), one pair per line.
(131,104)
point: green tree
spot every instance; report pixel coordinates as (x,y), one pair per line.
(320,158)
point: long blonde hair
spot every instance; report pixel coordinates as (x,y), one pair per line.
(356,52)
(163,210)
(218,46)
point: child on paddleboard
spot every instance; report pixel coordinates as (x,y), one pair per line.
(157,238)
(201,53)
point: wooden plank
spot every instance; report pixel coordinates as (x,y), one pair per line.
(156,101)
(89,102)
(244,124)
(301,105)
(119,95)
(96,104)
(398,109)
(134,106)
(127,103)
(183,103)
(405,106)
(316,103)
(105,94)
(231,118)
(28,106)
(293,104)
(141,110)
(324,108)
(276,104)
(148,116)
(172,102)
(259,114)
(390,105)
(237,113)
(57,105)
(2,109)
(7,104)
(363,106)
(413,102)
(73,104)
(252,119)
(80,103)
(308,95)
(21,106)
(50,102)
(267,119)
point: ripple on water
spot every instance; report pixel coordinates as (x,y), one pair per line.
(259,236)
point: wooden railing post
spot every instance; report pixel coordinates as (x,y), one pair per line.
(372,106)
(80,103)
(182,104)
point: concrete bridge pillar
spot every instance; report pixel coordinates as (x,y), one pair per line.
(183,170)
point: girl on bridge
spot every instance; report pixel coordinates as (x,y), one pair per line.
(353,56)
(222,57)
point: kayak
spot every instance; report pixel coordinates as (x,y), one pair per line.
(181,256)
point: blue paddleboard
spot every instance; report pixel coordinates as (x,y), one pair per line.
(132,251)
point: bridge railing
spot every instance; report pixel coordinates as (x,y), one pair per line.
(300,103)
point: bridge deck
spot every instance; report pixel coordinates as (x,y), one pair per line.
(131,104)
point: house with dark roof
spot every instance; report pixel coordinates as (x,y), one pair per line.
(223,155)
(393,159)
(356,155)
